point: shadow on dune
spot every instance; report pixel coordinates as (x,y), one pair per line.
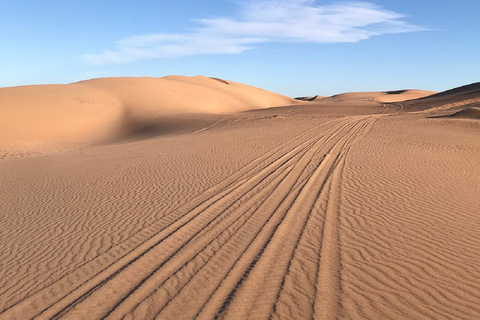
(473,88)
(220,80)
(307,98)
(463,96)
(134,127)
(396,92)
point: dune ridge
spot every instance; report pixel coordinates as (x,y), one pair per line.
(472,88)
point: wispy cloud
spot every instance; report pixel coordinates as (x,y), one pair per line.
(286,21)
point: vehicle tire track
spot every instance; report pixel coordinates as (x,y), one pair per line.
(238,243)
(145,264)
(257,295)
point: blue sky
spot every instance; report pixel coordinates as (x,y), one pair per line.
(293,47)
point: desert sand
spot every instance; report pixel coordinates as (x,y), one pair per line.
(112,109)
(200,198)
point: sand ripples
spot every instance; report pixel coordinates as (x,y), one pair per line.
(261,243)
(355,217)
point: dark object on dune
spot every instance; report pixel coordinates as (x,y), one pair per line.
(396,92)
(219,80)
(307,98)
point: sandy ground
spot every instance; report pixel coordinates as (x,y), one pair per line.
(326,210)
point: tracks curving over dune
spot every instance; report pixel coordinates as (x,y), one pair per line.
(263,243)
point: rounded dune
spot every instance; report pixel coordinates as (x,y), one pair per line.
(378,96)
(180,94)
(109,109)
(402,95)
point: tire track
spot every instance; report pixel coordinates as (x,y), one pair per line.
(256,297)
(274,209)
(239,244)
(99,265)
(233,195)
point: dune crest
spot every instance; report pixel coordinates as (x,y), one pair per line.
(106,109)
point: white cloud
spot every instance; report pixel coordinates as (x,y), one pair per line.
(286,21)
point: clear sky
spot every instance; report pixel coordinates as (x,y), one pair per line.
(293,47)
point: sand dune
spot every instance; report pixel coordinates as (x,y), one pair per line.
(110,109)
(337,210)
(460,98)
(466,90)
(381,96)
(57,113)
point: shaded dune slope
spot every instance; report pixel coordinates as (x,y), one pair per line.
(454,99)
(472,88)
(111,109)
(468,113)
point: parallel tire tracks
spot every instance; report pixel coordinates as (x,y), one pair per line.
(263,243)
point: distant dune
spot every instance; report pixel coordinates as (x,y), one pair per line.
(113,109)
(473,88)
(378,96)
(107,109)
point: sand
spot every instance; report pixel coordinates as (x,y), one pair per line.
(291,210)
(468,113)
(378,96)
(114,109)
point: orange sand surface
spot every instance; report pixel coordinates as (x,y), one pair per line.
(112,109)
(200,198)
(388,96)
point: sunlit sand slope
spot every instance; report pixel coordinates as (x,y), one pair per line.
(111,109)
